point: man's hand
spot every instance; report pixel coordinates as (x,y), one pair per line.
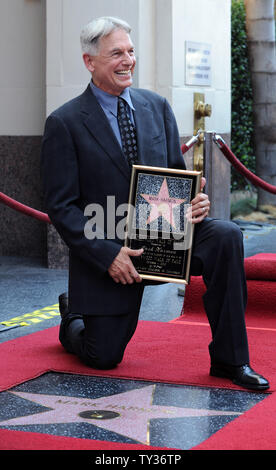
(122,269)
(200,205)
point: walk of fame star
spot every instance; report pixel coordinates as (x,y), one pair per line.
(127,414)
(162,204)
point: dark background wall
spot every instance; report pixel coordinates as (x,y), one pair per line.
(21,235)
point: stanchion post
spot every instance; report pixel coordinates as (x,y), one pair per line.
(217,173)
(207,165)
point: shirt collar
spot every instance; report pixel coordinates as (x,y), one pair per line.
(109,101)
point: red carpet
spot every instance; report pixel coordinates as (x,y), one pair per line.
(162,352)
(159,352)
(175,352)
(261,308)
(261,266)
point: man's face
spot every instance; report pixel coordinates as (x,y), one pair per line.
(113,67)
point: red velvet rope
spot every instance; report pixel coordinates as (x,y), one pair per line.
(184,148)
(13,204)
(8,201)
(241,168)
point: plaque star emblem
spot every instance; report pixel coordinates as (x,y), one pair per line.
(127,414)
(162,204)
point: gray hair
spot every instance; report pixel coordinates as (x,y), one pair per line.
(96,29)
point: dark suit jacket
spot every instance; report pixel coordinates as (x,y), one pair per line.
(82,163)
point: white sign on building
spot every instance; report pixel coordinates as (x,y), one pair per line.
(198,64)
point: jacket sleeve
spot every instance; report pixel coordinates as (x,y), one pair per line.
(62,193)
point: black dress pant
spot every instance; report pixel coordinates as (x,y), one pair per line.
(218,256)
(100,341)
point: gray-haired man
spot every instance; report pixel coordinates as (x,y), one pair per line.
(83,162)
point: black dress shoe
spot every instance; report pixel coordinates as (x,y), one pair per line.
(65,314)
(63,305)
(243,376)
(66,318)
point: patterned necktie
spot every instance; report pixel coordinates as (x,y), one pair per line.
(128,133)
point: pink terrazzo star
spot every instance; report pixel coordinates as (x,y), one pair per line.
(126,413)
(162,204)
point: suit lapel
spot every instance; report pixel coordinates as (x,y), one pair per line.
(97,123)
(143,121)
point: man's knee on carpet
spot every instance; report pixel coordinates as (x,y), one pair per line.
(102,363)
(103,358)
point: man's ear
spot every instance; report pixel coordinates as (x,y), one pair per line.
(89,63)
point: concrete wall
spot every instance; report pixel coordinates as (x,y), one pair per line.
(22,56)
(22,115)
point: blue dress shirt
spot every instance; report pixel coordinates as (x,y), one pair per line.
(109,104)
